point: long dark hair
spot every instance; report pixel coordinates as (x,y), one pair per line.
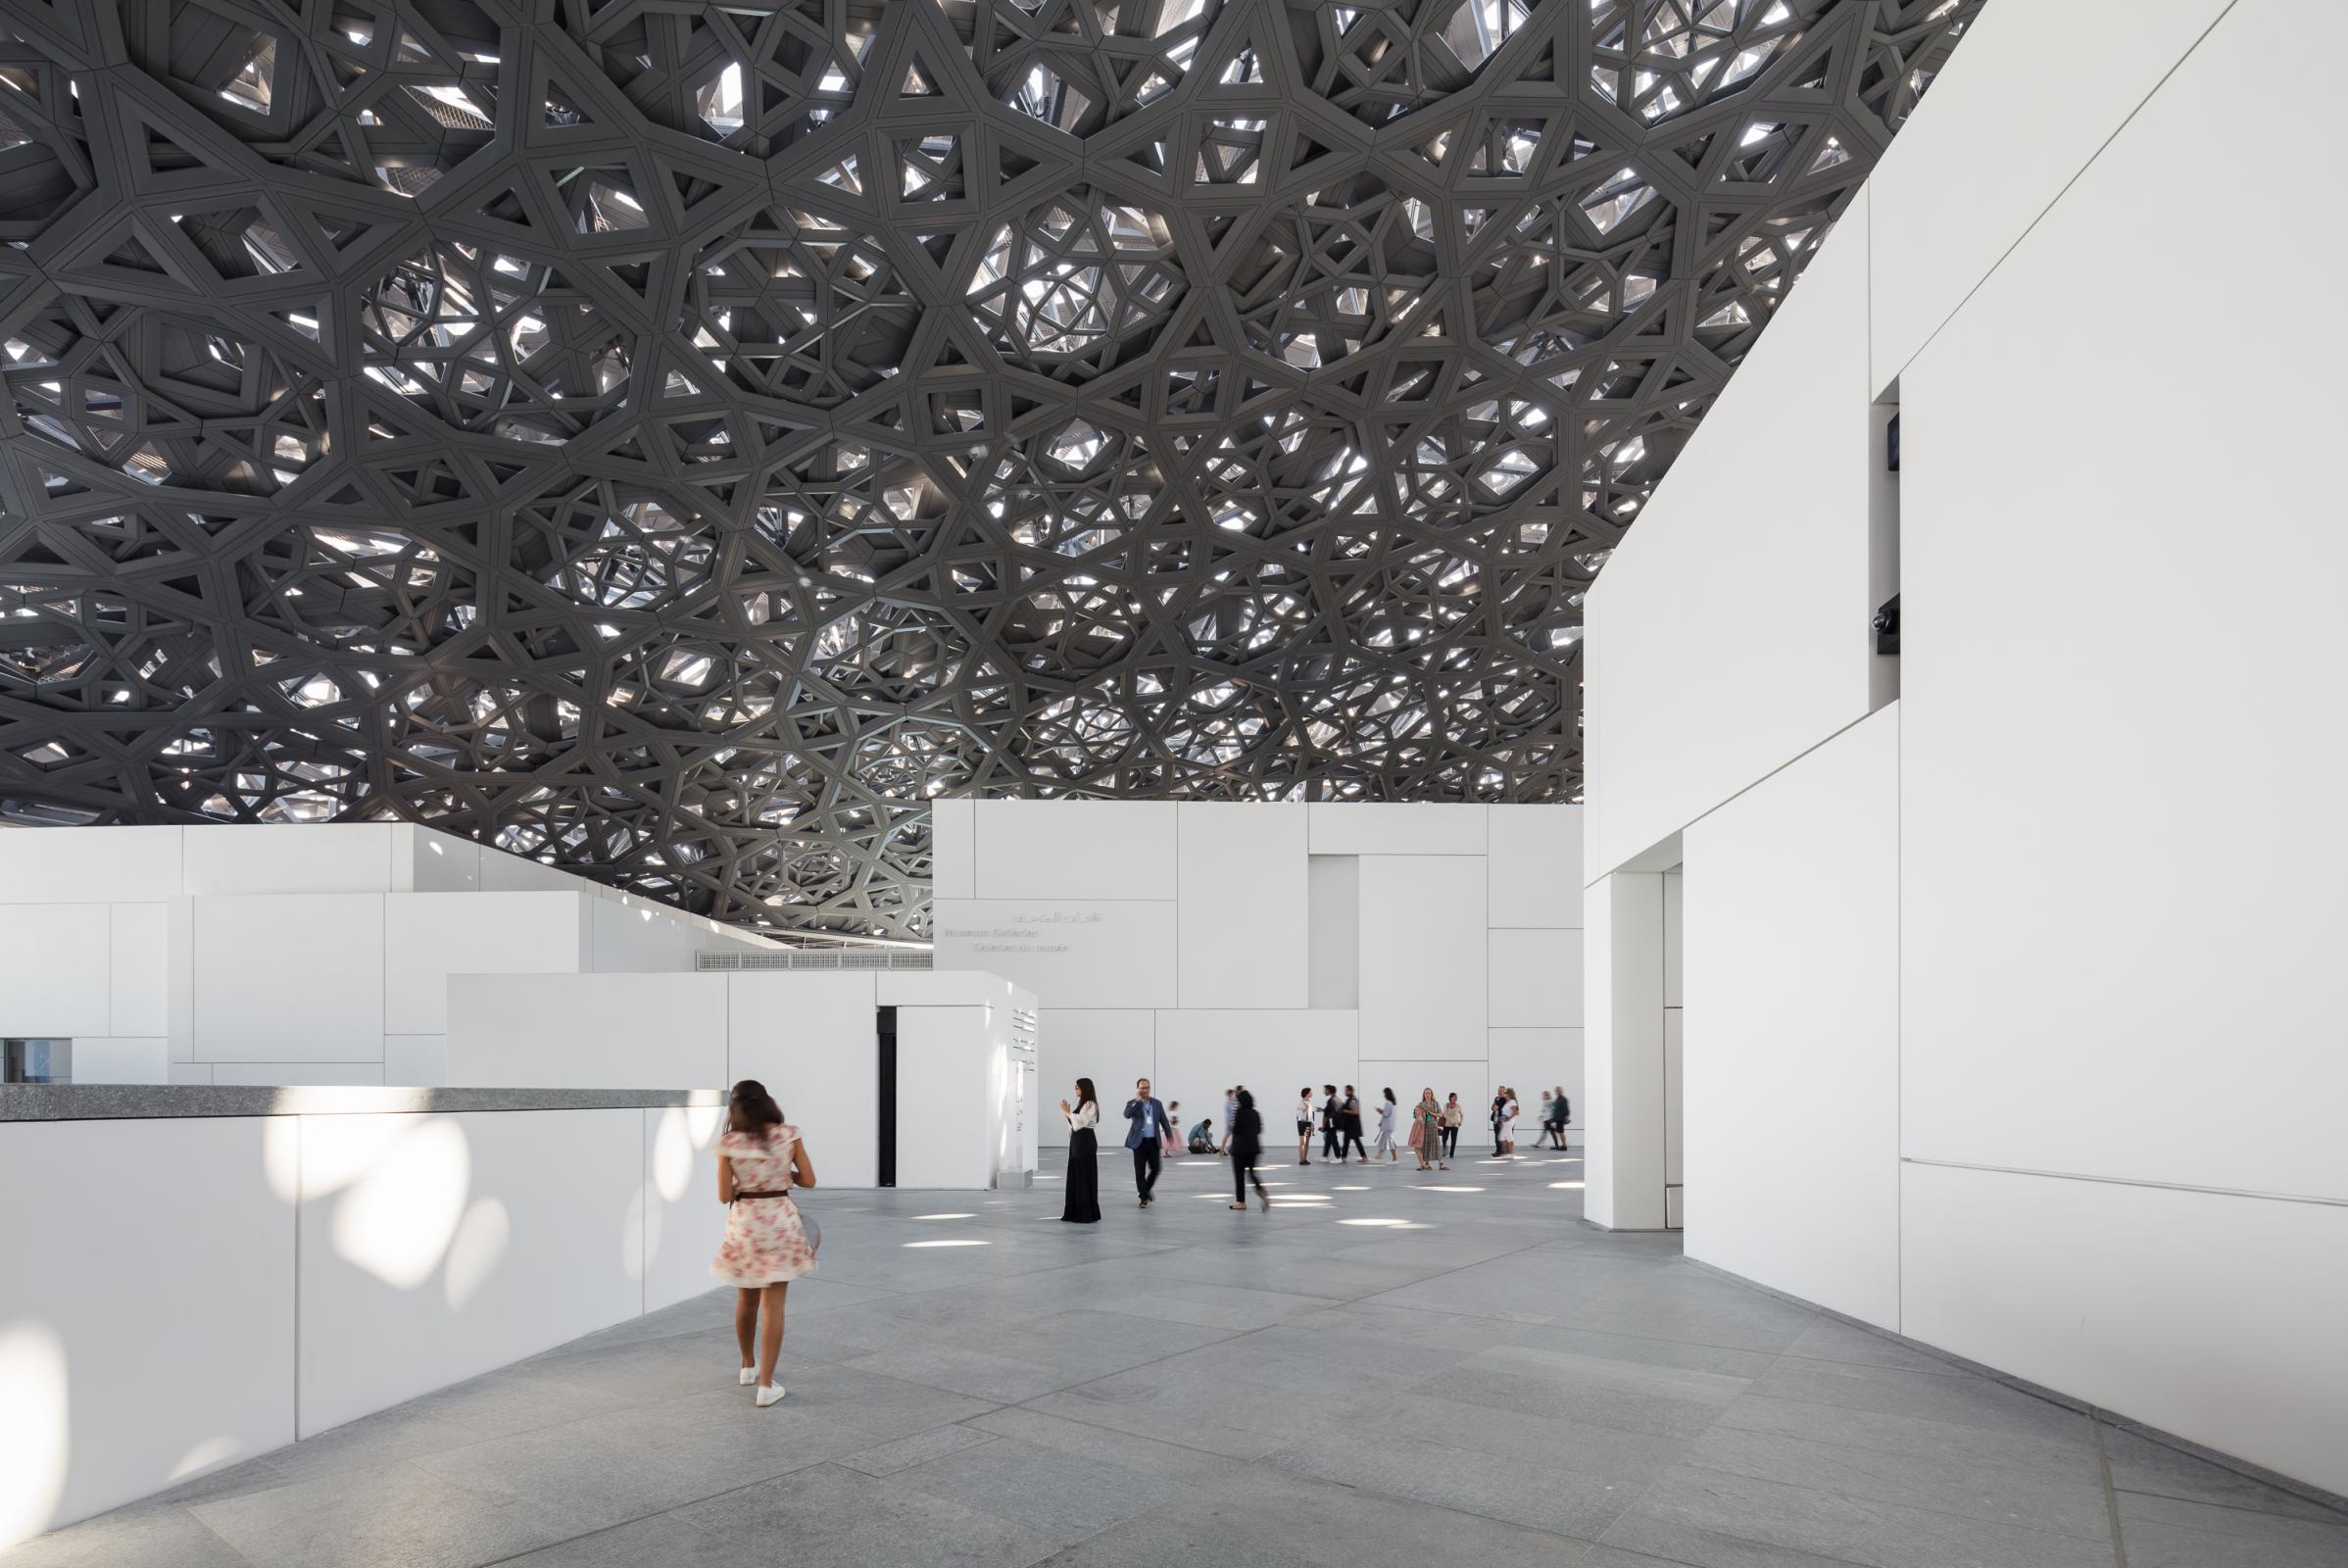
(751,1109)
(1246,1100)
(1390,1094)
(1084,1093)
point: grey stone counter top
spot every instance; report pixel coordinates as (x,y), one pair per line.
(109,1102)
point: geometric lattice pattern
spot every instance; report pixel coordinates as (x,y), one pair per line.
(677,441)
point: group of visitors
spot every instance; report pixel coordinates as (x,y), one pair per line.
(1154,1131)
(768,1243)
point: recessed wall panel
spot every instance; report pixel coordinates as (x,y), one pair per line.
(1423,957)
(1333,943)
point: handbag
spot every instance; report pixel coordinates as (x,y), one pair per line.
(811,1228)
(1418,1133)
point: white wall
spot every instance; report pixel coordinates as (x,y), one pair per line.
(1182,942)
(1240,905)
(810,1036)
(435,1249)
(115,1378)
(2174,1021)
(1624,1168)
(683,1222)
(421,1248)
(1425,968)
(588,1031)
(812,1041)
(1792,1033)
(291,954)
(1729,634)
(2122,879)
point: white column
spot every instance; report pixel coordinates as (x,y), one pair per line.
(1624,1146)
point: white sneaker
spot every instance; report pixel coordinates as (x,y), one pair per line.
(750,1376)
(771,1393)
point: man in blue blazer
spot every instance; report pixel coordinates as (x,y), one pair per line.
(1146,1137)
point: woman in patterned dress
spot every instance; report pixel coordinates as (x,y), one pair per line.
(760,1157)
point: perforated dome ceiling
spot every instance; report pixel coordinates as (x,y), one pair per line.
(679,440)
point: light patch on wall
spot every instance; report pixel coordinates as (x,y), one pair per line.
(472,1256)
(673,1145)
(37,1435)
(401,1211)
(205,1456)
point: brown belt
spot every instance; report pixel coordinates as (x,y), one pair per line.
(738,1197)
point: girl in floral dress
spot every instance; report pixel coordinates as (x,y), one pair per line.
(760,1157)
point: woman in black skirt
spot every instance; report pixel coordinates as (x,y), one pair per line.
(1084,1160)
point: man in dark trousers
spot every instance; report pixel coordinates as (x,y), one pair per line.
(1146,1137)
(1330,1136)
(1351,1117)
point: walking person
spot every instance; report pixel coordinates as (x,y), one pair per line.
(1427,1130)
(1455,1113)
(1174,1127)
(1386,1125)
(1304,1125)
(1558,1110)
(1147,1137)
(1349,1118)
(761,1157)
(1329,1124)
(1231,1113)
(1082,1205)
(1245,1140)
(1565,1115)
(1499,1101)
(1508,1114)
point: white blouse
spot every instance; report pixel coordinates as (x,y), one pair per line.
(1304,1110)
(1087,1114)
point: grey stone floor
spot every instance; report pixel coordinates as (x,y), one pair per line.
(1387,1368)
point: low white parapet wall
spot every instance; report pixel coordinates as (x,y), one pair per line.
(196,1276)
